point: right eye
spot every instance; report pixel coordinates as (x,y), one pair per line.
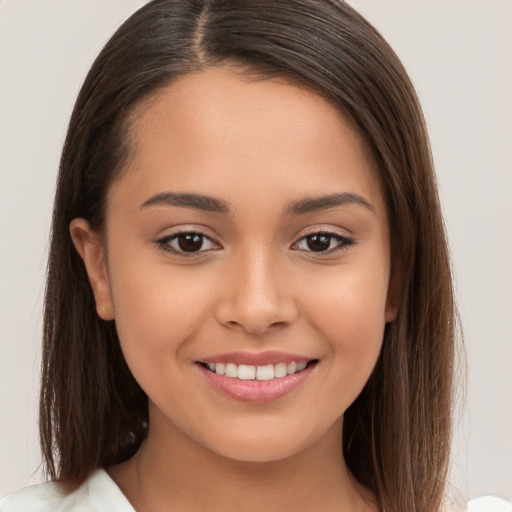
(189,242)
(323,242)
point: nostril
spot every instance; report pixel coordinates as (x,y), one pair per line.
(255,316)
(278,324)
(258,328)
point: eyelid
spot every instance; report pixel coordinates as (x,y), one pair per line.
(163,242)
(344,240)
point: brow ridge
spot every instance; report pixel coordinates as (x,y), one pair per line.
(188,200)
(313,204)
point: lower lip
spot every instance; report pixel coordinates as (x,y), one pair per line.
(256,391)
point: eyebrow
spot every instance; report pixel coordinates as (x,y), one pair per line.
(212,204)
(188,200)
(315,204)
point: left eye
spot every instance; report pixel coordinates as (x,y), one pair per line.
(322,242)
(187,243)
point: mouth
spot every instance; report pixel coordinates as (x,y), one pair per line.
(259,373)
(273,378)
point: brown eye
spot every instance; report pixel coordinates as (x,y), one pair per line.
(319,242)
(187,243)
(190,242)
(323,242)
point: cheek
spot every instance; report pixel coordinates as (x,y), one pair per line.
(349,302)
(156,316)
(348,311)
(157,307)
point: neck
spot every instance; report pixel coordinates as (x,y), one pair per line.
(173,472)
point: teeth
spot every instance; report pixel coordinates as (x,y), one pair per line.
(265,372)
(231,370)
(301,366)
(280,370)
(248,372)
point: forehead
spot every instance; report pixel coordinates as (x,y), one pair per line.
(220,131)
(224,101)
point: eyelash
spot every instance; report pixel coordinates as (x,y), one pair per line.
(342,242)
(165,242)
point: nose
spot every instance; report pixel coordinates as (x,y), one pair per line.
(256,297)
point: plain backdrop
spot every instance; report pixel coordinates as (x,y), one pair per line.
(459,55)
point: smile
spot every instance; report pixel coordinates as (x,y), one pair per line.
(256,379)
(250,372)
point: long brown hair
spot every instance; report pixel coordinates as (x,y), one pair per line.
(92,411)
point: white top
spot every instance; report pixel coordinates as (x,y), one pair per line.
(489,504)
(99,493)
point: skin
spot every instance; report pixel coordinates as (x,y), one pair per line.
(258,145)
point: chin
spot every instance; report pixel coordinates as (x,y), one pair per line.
(257,454)
(276,445)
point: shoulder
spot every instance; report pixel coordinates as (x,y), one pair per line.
(42,497)
(98,493)
(482,504)
(489,504)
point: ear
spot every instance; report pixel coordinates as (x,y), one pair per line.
(92,251)
(394,297)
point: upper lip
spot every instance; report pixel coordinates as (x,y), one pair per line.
(256,359)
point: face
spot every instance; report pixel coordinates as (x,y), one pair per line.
(246,263)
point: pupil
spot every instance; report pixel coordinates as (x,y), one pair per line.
(319,243)
(190,242)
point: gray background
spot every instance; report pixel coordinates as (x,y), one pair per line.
(459,55)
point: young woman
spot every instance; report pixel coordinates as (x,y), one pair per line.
(249,301)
